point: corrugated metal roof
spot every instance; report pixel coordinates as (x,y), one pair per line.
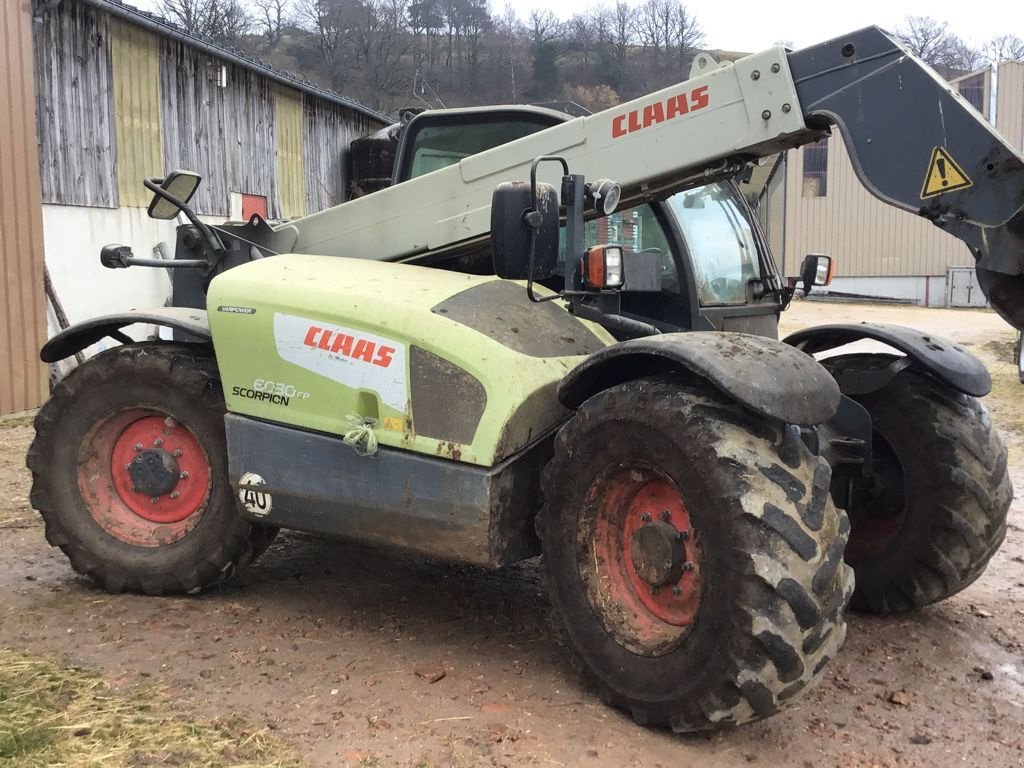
(165,28)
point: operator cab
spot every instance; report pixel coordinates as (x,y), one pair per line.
(716,273)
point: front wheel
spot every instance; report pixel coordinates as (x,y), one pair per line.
(129,472)
(694,554)
(932,512)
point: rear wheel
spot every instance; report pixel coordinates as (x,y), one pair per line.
(694,553)
(932,513)
(129,470)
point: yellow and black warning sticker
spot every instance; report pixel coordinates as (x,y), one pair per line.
(943,175)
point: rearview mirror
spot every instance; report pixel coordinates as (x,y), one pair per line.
(178,184)
(516,225)
(815,271)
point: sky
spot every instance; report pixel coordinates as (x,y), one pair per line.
(752,25)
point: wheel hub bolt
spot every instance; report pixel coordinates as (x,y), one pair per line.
(158,441)
(175,494)
(153,499)
(688,566)
(127,466)
(138,447)
(646,517)
(170,423)
(183,476)
(177,452)
(666,514)
(684,535)
(677,590)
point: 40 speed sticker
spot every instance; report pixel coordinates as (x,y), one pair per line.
(256,502)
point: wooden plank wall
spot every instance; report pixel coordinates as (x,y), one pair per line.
(22,303)
(135,63)
(75,107)
(327,133)
(218,120)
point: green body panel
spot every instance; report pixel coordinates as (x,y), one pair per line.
(309,340)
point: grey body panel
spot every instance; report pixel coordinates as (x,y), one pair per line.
(765,375)
(81,335)
(946,361)
(394,498)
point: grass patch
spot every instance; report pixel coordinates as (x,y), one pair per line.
(18,420)
(51,714)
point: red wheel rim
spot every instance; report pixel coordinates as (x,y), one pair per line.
(647,608)
(163,510)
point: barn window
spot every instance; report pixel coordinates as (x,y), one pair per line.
(973,90)
(816,169)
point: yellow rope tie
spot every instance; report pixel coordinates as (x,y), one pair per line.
(361,436)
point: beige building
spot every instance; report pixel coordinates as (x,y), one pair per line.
(815,204)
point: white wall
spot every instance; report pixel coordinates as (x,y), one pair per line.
(930,291)
(72,238)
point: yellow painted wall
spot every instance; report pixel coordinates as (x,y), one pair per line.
(290,172)
(136,74)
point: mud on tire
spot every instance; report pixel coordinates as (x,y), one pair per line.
(82,499)
(769,542)
(932,532)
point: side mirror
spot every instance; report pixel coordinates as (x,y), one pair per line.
(516,225)
(815,271)
(180,185)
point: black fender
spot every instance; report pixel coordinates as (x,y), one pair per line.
(950,363)
(762,374)
(193,322)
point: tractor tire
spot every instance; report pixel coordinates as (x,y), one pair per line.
(933,512)
(129,472)
(694,554)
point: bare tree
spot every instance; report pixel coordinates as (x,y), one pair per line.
(925,37)
(932,41)
(1003,48)
(272,18)
(329,22)
(221,20)
(545,32)
(581,32)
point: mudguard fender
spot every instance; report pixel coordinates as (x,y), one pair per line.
(762,374)
(948,362)
(81,335)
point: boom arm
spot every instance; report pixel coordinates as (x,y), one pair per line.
(896,116)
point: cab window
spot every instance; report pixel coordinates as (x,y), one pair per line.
(635,229)
(439,142)
(720,242)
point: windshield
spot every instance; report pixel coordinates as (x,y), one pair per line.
(720,242)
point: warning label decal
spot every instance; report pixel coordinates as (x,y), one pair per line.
(943,175)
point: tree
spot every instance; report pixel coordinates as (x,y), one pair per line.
(931,41)
(225,21)
(595,99)
(545,31)
(1003,48)
(272,18)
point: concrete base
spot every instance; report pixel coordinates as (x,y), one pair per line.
(927,291)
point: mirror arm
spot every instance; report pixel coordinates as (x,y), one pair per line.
(534,223)
(212,241)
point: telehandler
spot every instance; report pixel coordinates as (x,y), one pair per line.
(560,337)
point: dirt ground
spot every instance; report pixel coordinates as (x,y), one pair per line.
(333,647)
